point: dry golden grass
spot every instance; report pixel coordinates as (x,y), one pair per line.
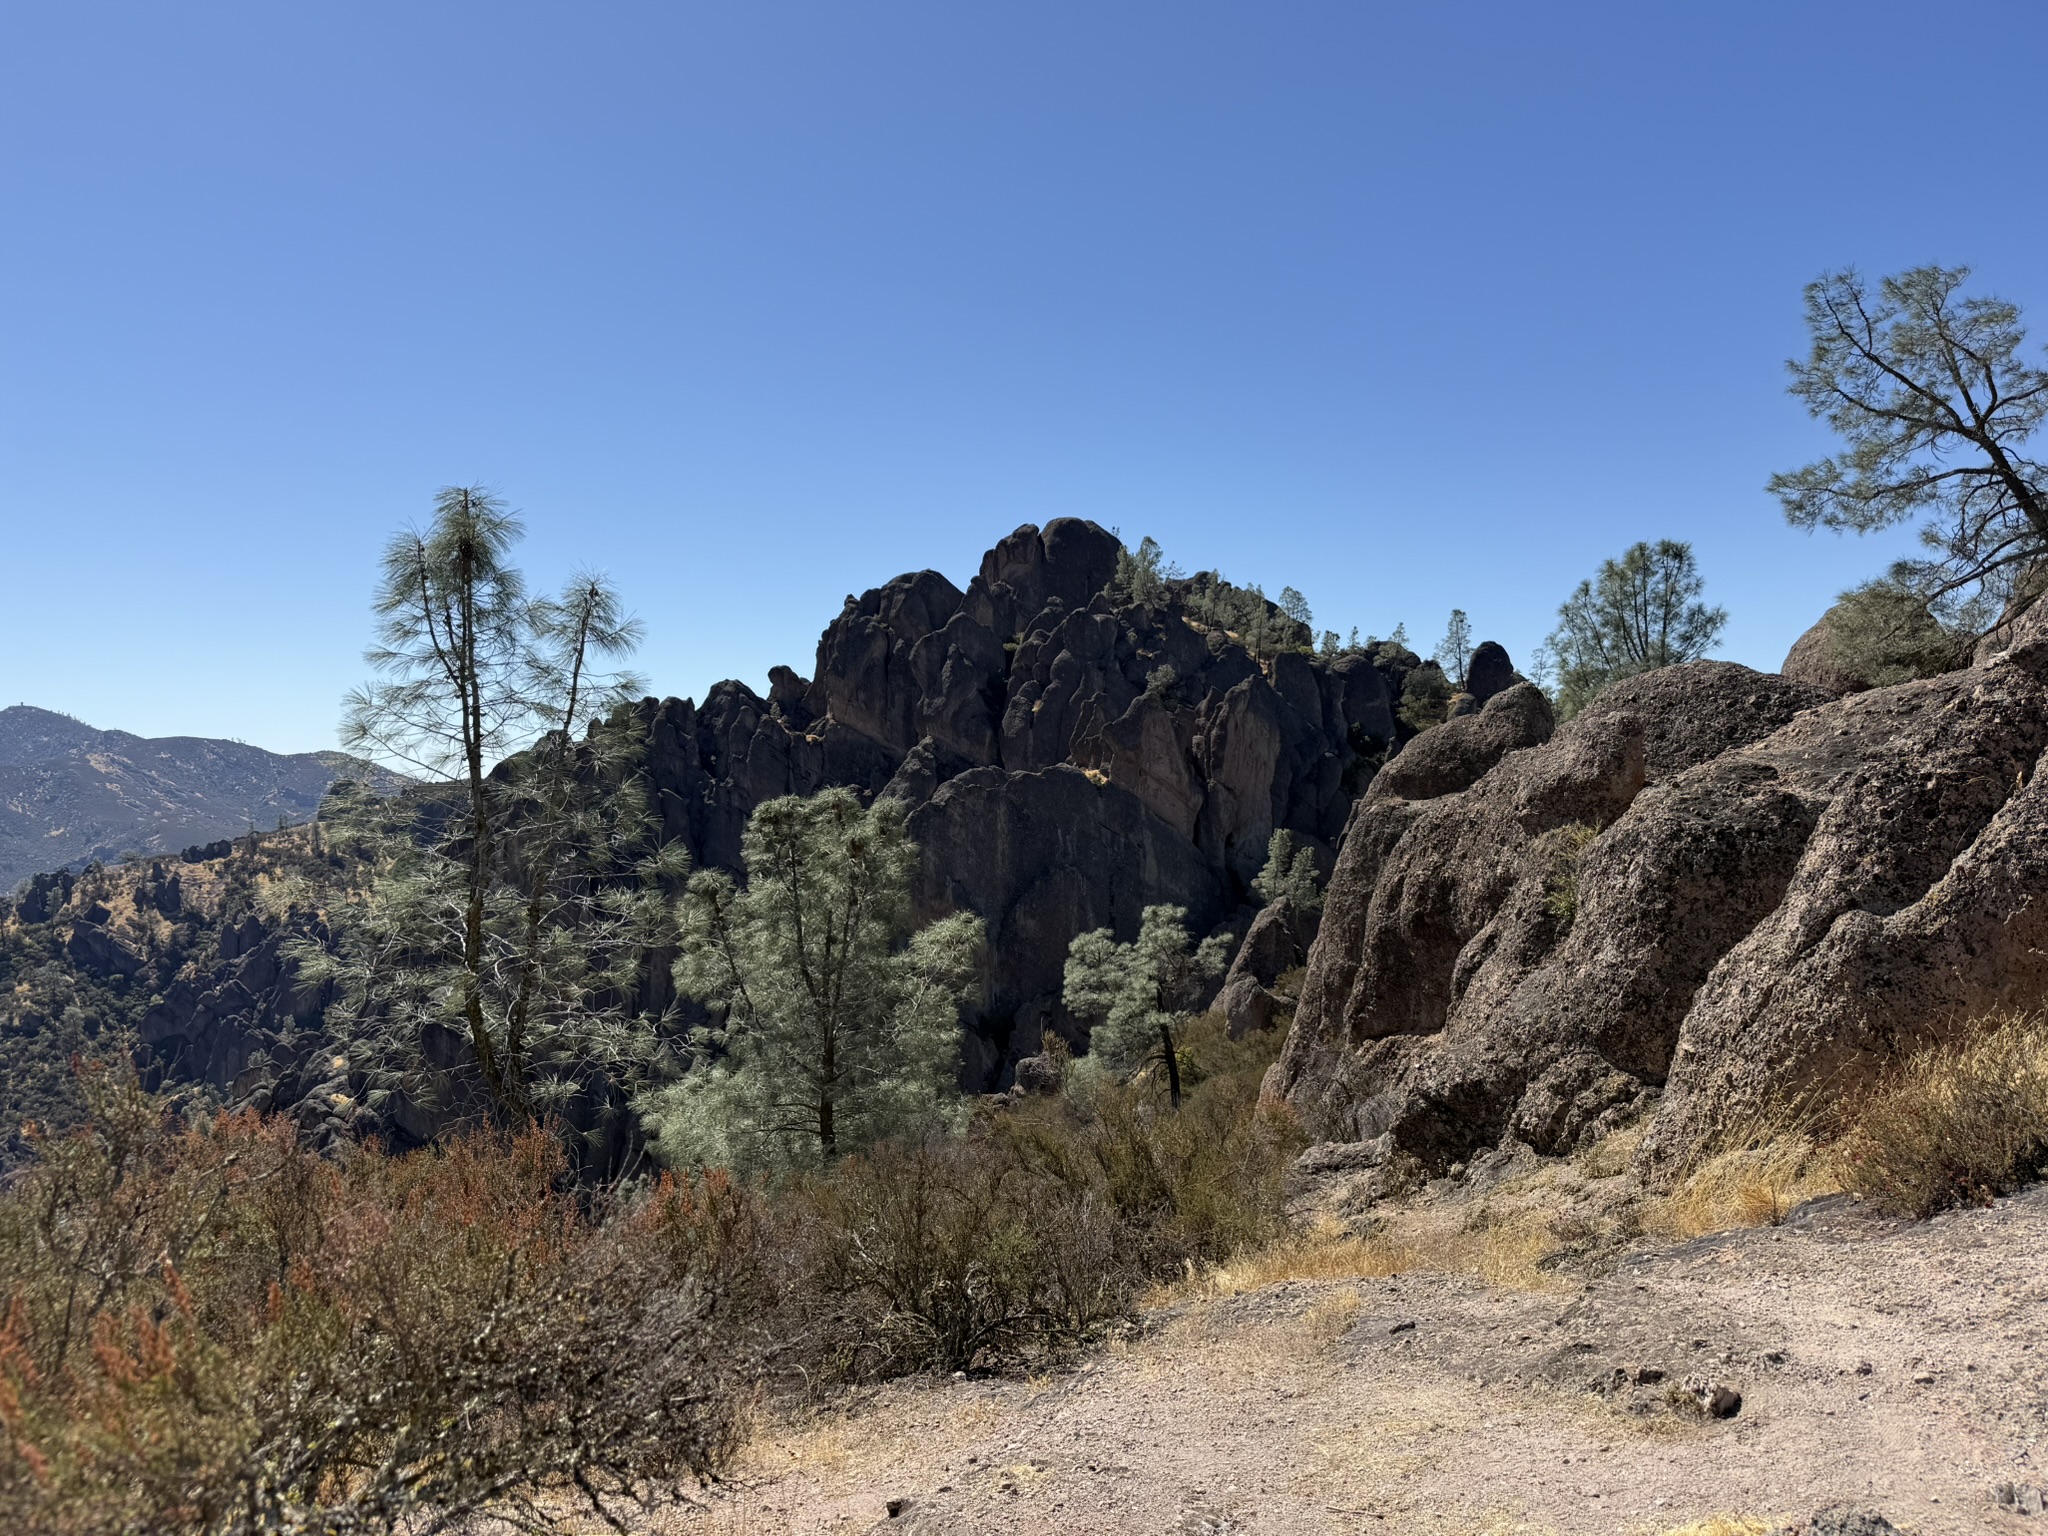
(1954,1124)
(1613,1154)
(1750,1185)
(1506,1253)
(1722,1525)
(1327,1320)
(828,1445)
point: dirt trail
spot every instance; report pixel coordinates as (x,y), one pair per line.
(1897,1367)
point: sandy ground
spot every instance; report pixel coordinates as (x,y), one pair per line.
(1898,1367)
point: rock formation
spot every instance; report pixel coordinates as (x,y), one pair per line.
(1712,890)
(1277,942)
(1070,755)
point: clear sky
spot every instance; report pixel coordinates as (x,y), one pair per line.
(756,305)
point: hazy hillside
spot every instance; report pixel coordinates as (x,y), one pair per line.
(70,794)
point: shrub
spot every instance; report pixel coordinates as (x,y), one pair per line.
(1036,1230)
(1882,633)
(210,1330)
(1425,697)
(932,1255)
(1560,849)
(1954,1123)
(207,1330)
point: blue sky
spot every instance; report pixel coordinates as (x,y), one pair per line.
(757,305)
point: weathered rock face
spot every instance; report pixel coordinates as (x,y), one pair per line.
(1277,942)
(1813,660)
(1464,750)
(1711,889)
(1042,857)
(1914,904)
(1069,758)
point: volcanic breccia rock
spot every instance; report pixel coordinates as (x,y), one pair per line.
(1712,892)
(1069,756)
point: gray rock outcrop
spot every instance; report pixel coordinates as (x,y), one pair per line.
(1814,660)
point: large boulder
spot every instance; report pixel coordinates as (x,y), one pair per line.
(1913,904)
(1815,660)
(1490,671)
(1462,751)
(93,947)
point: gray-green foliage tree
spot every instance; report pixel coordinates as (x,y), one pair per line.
(1454,651)
(1639,613)
(1290,872)
(1936,410)
(522,925)
(1135,994)
(1142,573)
(1425,697)
(837,1021)
(1262,627)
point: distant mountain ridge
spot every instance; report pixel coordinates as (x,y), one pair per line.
(70,793)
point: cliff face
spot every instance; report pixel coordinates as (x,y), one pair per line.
(185,956)
(1069,756)
(1712,891)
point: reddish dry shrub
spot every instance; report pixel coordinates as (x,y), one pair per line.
(212,1330)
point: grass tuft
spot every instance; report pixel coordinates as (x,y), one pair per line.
(1953,1124)
(1508,1253)
(1756,1182)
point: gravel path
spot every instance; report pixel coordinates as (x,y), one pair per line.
(1899,1367)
